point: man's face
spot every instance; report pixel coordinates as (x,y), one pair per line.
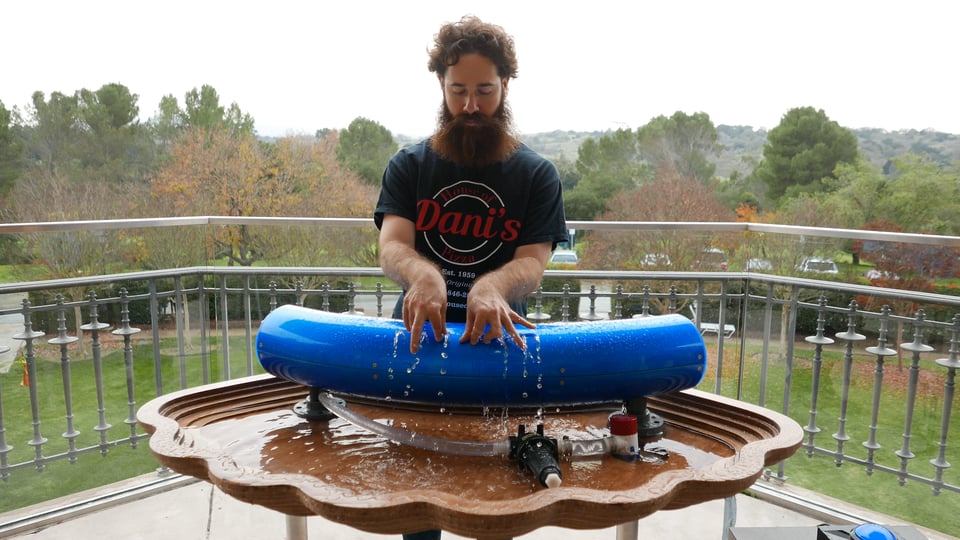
(472,86)
(474,123)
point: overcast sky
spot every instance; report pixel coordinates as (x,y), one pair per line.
(298,66)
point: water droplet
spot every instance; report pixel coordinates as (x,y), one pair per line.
(443,371)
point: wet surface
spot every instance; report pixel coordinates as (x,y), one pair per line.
(355,462)
(244,437)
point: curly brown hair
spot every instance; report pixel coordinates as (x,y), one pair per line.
(471,35)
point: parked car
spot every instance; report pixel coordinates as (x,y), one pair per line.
(873,273)
(759,265)
(814,265)
(656,260)
(564,256)
(712,259)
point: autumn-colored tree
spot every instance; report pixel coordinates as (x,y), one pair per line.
(329,190)
(671,197)
(224,173)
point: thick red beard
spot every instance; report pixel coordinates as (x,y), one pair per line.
(474,140)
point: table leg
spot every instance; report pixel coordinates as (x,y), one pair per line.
(729,516)
(628,531)
(296,527)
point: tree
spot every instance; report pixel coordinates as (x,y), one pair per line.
(365,148)
(606,166)
(671,197)
(802,150)
(201,109)
(11,152)
(923,196)
(54,132)
(330,190)
(113,147)
(683,142)
(220,172)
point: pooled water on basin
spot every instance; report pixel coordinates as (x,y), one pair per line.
(342,459)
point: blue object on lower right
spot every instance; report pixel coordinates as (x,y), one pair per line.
(872,531)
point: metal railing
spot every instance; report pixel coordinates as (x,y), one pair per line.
(820,351)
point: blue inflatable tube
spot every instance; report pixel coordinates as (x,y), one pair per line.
(573,363)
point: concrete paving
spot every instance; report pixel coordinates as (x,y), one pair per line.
(199,510)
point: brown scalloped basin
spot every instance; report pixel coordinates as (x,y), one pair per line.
(243,436)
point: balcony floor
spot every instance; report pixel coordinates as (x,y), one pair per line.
(195,509)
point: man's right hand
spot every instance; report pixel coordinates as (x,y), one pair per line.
(425,291)
(425,300)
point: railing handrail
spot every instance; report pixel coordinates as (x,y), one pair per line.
(707,226)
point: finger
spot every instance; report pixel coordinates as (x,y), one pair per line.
(517,338)
(439,329)
(476,331)
(523,322)
(415,331)
(495,332)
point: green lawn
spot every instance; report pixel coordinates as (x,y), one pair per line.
(26,486)
(880,491)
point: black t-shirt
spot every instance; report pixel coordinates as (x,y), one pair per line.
(470,220)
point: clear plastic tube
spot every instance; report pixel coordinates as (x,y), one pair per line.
(567,447)
(583,447)
(411,438)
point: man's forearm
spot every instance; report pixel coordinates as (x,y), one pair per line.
(514,280)
(402,264)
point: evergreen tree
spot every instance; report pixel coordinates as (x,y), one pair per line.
(802,150)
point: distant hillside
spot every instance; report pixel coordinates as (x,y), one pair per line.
(743,145)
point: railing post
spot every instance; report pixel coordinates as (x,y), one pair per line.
(27,336)
(538,314)
(645,305)
(63,340)
(819,341)
(379,295)
(4,447)
(204,329)
(94,327)
(248,322)
(273,294)
(949,386)
(916,347)
(618,303)
(325,296)
(591,314)
(850,336)
(155,329)
(881,350)
(127,332)
(178,307)
(225,330)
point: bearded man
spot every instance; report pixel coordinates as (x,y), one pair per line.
(468,217)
